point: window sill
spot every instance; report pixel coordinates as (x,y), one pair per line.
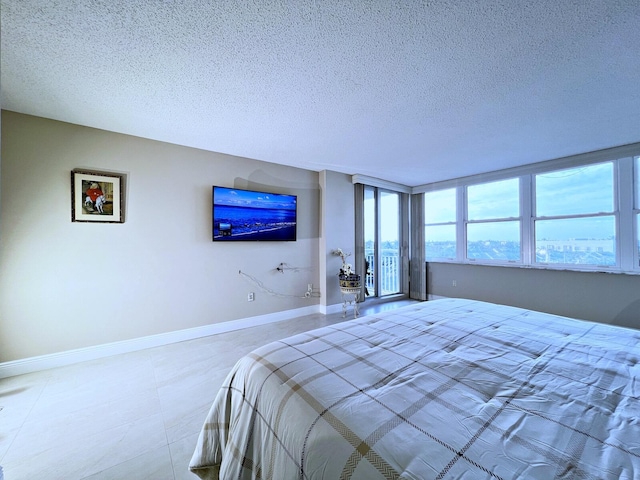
(559,268)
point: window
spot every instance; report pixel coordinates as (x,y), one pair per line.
(440,224)
(575,217)
(579,213)
(382,241)
(493,221)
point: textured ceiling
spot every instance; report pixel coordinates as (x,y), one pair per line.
(408,91)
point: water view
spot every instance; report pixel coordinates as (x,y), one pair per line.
(250,215)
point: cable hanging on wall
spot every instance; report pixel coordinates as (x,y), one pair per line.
(284,267)
(308,294)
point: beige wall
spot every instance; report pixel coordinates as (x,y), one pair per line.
(337,221)
(599,297)
(67,285)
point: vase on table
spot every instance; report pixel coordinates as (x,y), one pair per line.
(350,281)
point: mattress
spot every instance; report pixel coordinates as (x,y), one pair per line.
(450,388)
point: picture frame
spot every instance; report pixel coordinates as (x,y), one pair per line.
(97,197)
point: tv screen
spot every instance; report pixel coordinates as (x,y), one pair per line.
(248,215)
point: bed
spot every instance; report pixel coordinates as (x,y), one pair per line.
(450,388)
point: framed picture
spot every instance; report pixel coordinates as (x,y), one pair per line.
(97,197)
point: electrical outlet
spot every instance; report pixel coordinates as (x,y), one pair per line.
(251,297)
(454,283)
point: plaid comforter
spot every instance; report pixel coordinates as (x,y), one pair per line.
(443,389)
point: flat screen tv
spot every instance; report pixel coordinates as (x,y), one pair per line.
(248,215)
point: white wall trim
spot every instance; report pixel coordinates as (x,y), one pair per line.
(435,297)
(69,357)
(335,308)
(378,182)
(607,154)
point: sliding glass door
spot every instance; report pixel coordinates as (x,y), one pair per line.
(382,242)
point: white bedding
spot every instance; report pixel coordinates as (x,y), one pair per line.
(442,389)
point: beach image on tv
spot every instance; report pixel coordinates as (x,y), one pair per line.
(250,215)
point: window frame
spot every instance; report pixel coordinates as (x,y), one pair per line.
(453,223)
(468,222)
(626,203)
(402,217)
(615,213)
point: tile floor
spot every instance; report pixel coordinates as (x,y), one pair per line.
(132,416)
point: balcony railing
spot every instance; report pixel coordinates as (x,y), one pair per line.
(389,274)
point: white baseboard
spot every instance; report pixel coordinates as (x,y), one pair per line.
(69,357)
(331,309)
(435,297)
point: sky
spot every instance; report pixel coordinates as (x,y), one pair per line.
(249,198)
(389,213)
(575,191)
